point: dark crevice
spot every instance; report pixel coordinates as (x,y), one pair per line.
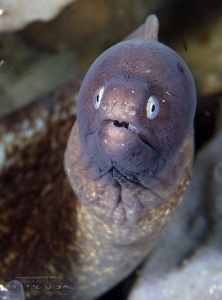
(121,124)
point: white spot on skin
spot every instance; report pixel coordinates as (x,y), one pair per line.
(133,92)
(114,89)
(1,11)
(132,112)
(122,145)
(163,100)
(39,124)
(29,133)
(25,124)
(105,141)
(148,71)
(167,212)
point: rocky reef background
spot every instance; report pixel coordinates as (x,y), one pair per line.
(45,54)
(41,51)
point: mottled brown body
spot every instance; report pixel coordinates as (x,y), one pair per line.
(90,239)
(37,221)
(110,248)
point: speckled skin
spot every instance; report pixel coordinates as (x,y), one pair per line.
(91,242)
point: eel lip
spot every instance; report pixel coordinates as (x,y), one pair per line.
(127,126)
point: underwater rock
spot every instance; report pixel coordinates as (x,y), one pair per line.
(26,74)
(15,15)
(101,21)
(203,53)
(186,262)
(199,278)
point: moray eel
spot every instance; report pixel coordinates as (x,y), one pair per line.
(127,165)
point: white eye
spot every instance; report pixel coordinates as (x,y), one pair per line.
(152,108)
(98,97)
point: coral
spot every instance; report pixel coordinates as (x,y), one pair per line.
(200,279)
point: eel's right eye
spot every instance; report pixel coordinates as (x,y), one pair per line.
(98,97)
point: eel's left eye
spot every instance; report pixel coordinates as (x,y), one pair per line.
(152,107)
(98,97)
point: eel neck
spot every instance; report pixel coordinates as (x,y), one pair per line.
(126,216)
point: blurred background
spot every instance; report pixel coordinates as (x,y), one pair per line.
(43,46)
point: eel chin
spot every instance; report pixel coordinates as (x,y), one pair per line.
(119,148)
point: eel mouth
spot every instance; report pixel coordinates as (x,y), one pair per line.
(130,127)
